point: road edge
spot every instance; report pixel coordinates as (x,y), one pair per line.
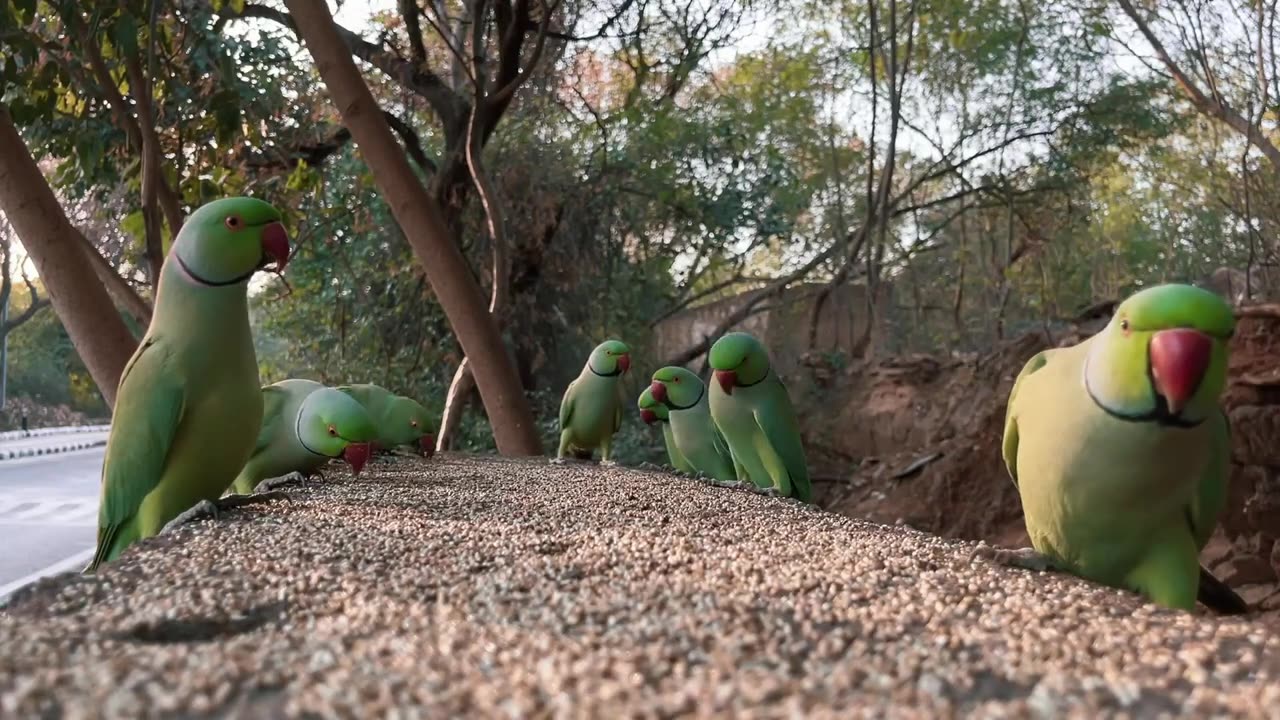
(53,449)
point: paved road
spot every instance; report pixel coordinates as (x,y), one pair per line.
(48,511)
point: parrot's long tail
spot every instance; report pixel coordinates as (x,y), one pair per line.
(1218,597)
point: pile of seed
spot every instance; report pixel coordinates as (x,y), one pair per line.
(489,587)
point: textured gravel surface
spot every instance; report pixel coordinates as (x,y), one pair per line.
(491,587)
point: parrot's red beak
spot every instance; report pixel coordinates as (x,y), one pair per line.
(1179,359)
(658,391)
(648,416)
(624,363)
(427,444)
(275,245)
(356,455)
(727,379)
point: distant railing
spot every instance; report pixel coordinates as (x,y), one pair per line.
(42,432)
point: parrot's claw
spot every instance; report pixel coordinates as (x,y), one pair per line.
(228,502)
(1025,558)
(294,477)
(608,463)
(201,510)
(651,467)
(558,461)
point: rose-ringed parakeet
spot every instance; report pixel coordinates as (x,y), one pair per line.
(652,411)
(685,397)
(1120,450)
(304,425)
(591,409)
(750,406)
(188,406)
(401,421)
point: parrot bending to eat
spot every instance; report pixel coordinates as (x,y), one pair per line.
(652,411)
(188,405)
(591,409)
(400,420)
(753,412)
(1120,450)
(304,424)
(697,438)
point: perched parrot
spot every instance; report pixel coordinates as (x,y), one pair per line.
(304,424)
(753,412)
(652,411)
(188,405)
(400,420)
(1120,450)
(591,409)
(685,397)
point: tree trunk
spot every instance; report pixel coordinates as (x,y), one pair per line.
(419,217)
(79,298)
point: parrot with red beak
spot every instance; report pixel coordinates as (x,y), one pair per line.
(401,421)
(652,411)
(751,408)
(188,407)
(1119,449)
(684,395)
(304,425)
(591,408)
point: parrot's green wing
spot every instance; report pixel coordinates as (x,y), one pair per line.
(1009,449)
(617,414)
(721,445)
(273,399)
(143,425)
(566,405)
(780,426)
(1211,498)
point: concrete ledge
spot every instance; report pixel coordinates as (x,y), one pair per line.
(43,432)
(50,450)
(483,587)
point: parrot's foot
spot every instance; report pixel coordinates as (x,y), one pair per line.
(558,461)
(202,509)
(608,463)
(1025,558)
(214,509)
(271,484)
(651,467)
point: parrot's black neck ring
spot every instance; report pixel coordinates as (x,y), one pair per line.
(210,283)
(297,430)
(615,373)
(753,384)
(1159,414)
(673,406)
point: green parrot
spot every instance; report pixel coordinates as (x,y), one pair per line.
(652,411)
(400,420)
(591,409)
(304,424)
(188,405)
(1120,450)
(697,438)
(753,412)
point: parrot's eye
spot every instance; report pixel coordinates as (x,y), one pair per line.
(333,430)
(675,380)
(233,222)
(413,423)
(1124,325)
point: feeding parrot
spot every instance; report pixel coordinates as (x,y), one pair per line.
(685,397)
(753,412)
(188,406)
(591,409)
(652,411)
(400,420)
(1120,450)
(304,424)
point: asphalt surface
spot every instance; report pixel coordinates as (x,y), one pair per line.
(484,587)
(48,508)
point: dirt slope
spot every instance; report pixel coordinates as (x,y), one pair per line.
(483,587)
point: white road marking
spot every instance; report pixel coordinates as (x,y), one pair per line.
(78,560)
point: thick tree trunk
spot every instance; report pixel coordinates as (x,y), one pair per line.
(79,298)
(416,212)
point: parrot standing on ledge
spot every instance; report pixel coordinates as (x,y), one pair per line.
(652,411)
(304,424)
(401,421)
(591,409)
(189,405)
(685,397)
(750,406)
(1120,450)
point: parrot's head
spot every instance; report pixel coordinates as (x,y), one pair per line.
(410,424)
(677,388)
(226,241)
(611,357)
(1163,356)
(331,423)
(738,360)
(651,411)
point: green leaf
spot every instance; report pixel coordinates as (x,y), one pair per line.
(125,34)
